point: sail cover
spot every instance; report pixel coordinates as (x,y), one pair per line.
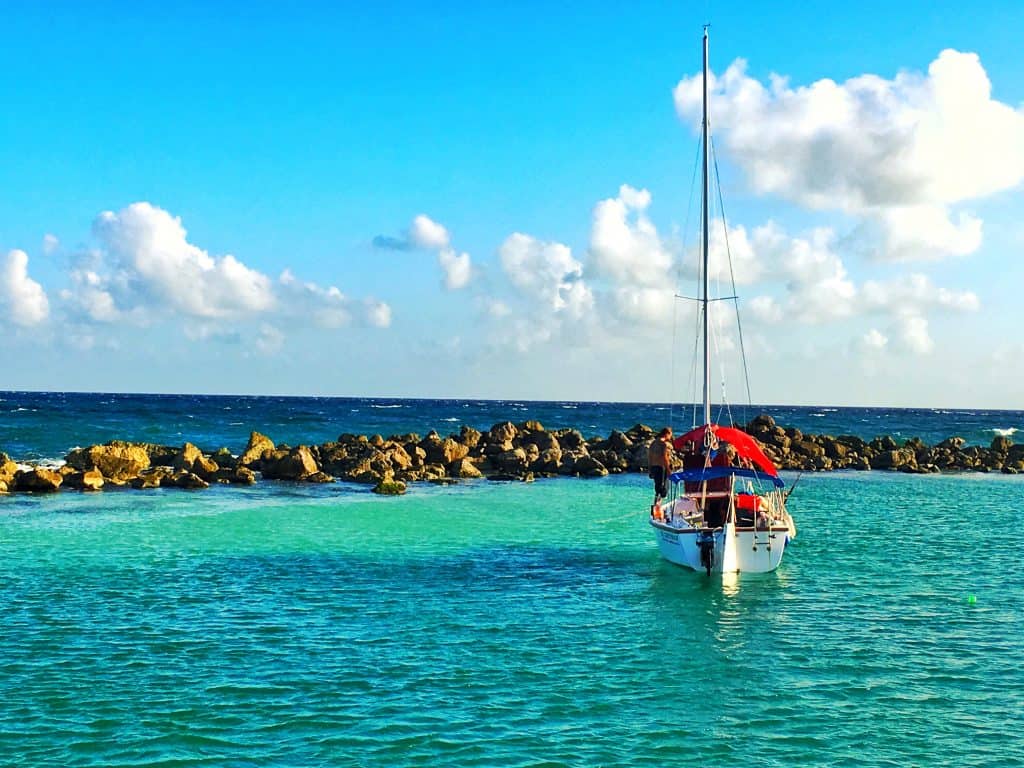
(744,444)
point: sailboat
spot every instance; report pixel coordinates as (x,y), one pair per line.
(726,508)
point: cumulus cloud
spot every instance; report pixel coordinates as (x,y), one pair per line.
(150,245)
(426,234)
(546,272)
(625,246)
(50,244)
(429,234)
(873,340)
(145,269)
(898,153)
(270,339)
(23,298)
(818,289)
(456,267)
(328,307)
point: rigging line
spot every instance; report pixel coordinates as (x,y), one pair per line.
(719,336)
(732,275)
(679,278)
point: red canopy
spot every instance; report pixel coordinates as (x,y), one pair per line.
(744,444)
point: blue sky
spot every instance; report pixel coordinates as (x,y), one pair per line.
(291,140)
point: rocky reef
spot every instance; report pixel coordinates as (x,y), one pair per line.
(507,451)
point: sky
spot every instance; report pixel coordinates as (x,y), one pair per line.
(462,200)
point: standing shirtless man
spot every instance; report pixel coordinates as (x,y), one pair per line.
(659,459)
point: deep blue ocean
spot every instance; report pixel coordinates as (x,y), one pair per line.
(497,624)
(37,425)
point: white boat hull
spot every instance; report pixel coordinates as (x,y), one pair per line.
(745,550)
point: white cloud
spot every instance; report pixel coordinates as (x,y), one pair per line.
(427,233)
(377,313)
(874,340)
(328,307)
(457,268)
(545,271)
(642,306)
(898,153)
(89,299)
(146,270)
(24,298)
(50,244)
(912,332)
(766,309)
(624,244)
(270,339)
(150,246)
(818,286)
(916,292)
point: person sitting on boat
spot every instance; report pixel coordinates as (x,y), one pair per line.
(659,459)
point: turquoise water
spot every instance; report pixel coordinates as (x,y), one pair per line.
(519,624)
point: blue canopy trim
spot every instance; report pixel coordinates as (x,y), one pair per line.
(715,473)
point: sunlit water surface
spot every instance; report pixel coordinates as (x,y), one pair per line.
(508,624)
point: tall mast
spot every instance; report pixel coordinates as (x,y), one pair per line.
(704,209)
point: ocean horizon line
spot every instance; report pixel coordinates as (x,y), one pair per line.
(452,399)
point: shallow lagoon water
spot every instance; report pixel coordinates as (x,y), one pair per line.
(508,624)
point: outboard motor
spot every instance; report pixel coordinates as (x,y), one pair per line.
(706,542)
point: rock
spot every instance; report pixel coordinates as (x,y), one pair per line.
(511,462)
(398,456)
(884,443)
(38,480)
(570,440)
(191,459)
(502,432)
(895,459)
(241,476)
(3,486)
(640,432)
(852,442)
(531,426)
(1000,444)
(548,460)
(189,480)
(464,468)
(469,437)
(258,445)
(444,451)
(224,459)
(952,443)
(8,469)
(612,461)
(115,460)
(807,448)
(319,477)
(619,442)
(760,423)
(89,480)
(588,466)
(390,488)
(295,464)
(151,480)
(836,450)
